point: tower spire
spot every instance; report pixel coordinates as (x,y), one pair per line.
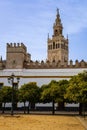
(58,20)
(67,36)
(48,37)
(57,11)
(57,25)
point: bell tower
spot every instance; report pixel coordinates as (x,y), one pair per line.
(57,45)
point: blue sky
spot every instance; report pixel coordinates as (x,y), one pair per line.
(30,21)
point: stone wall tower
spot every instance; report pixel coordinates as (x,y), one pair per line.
(58,45)
(16,56)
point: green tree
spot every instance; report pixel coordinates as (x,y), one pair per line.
(77,90)
(22,95)
(54,92)
(62,85)
(44,93)
(1,98)
(6,94)
(29,92)
(49,94)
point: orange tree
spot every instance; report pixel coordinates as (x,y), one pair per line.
(6,95)
(77,90)
(62,85)
(29,92)
(48,94)
(54,92)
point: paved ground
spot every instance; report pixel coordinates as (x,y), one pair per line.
(83,121)
(40,122)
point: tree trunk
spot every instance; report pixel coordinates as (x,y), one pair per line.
(28,108)
(32,106)
(53,107)
(24,108)
(80,108)
(15,105)
(83,112)
(61,106)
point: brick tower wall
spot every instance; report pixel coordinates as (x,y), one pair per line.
(15,56)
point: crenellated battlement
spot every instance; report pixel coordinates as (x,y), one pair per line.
(16,45)
(50,65)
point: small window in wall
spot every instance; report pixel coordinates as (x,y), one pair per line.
(15,85)
(1,85)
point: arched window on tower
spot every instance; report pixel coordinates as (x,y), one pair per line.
(56,32)
(53,45)
(56,46)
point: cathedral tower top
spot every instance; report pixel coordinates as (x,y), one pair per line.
(58,44)
(57,25)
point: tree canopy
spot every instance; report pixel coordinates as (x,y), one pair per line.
(72,90)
